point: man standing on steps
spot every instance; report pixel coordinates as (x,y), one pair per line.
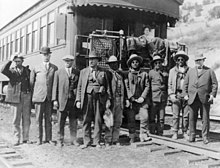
(19,96)
(175,92)
(41,78)
(64,95)
(200,88)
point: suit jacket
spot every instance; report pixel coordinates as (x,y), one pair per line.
(158,85)
(61,86)
(83,81)
(14,86)
(204,84)
(42,82)
(143,84)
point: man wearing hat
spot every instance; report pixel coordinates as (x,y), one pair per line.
(175,92)
(92,95)
(158,81)
(42,76)
(200,88)
(117,90)
(19,96)
(63,97)
(137,86)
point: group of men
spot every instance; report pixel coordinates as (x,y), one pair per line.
(94,92)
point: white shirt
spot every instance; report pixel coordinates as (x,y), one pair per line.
(69,71)
(46,64)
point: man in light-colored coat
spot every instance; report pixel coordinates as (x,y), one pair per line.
(200,87)
(64,96)
(41,78)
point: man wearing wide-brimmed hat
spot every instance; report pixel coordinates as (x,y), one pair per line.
(158,80)
(116,84)
(92,94)
(200,87)
(175,92)
(137,87)
(63,97)
(19,96)
(42,76)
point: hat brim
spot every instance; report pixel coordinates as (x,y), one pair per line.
(161,59)
(199,58)
(99,58)
(42,52)
(140,59)
(113,62)
(20,57)
(186,57)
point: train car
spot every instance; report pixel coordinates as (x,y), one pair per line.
(65,26)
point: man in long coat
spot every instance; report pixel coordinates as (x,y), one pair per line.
(64,96)
(200,87)
(92,95)
(41,78)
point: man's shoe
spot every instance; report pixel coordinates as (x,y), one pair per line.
(26,142)
(192,139)
(60,144)
(98,146)
(205,141)
(185,136)
(84,146)
(16,143)
(116,143)
(75,143)
(49,142)
(144,137)
(175,136)
(39,142)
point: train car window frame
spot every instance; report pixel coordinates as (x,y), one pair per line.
(7,47)
(0,49)
(62,9)
(29,38)
(3,48)
(12,43)
(51,29)
(43,31)
(17,41)
(22,40)
(35,35)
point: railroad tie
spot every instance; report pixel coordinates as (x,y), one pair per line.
(199,159)
(172,151)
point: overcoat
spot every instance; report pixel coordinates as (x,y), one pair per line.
(42,81)
(204,84)
(61,86)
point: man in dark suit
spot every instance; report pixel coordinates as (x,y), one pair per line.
(200,87)
(42,77)
(64,95)
(19,96)
(137,86)
(92,94)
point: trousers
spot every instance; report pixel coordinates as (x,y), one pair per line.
(43,111)
(22,112)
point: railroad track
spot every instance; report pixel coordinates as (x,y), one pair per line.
(198,156)
(10,157)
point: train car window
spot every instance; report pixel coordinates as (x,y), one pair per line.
(3,48)
(17,44)
(60,28)
(12,47)
(28,38)
(43,31)
(34,36)
(22,40)
(7,48)
(51,28)
(0,49)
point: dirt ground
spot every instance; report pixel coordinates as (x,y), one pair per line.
(52,156)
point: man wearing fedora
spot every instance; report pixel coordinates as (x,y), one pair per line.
(137,87)
(19,96)
(158,84)
(42,77)
(63,97)
(91,97)
(175,92)
(200,88)
(117,90)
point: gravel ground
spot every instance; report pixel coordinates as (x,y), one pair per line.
(125,156)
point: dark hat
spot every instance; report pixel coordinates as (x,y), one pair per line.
(112,59)
(134,57)
(181,54)
(45,50)
(17,55)
(156,58)
(68,57)
(199,57)
(92,55)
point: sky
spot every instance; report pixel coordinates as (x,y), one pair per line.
(9,9)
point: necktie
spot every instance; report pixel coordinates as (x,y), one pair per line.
(46,66)
(69,72)
(93,74)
